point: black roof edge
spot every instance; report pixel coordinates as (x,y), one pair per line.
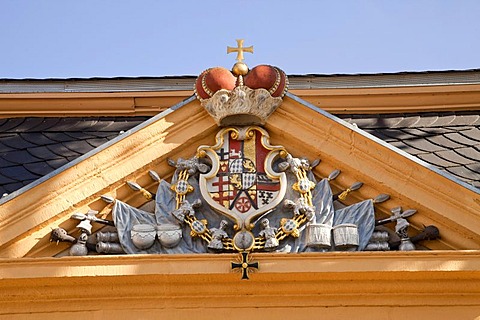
(194,76)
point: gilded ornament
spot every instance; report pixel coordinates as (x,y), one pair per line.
(240,69)
(240,49)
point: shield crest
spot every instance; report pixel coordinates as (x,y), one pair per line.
(242,184)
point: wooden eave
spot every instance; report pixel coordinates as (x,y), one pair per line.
(401,99)
(28,215)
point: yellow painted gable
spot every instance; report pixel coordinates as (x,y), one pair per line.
(366,285)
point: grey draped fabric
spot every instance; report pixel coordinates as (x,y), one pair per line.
(126,216)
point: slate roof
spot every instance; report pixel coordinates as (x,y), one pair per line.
(33,147)
(305,81)
(448,140)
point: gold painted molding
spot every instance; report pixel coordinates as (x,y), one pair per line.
(394,99)
(26,220)
(160,285)
(352,100)
(30,216)
(440,201)
(361,285)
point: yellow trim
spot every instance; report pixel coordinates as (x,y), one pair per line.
(352,100)
(361,159)
(334,285)
(26,220)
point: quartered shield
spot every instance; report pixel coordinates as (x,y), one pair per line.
(242,184)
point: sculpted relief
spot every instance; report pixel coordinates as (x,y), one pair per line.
(242,194)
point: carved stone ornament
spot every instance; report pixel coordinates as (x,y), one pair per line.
(241,195)
(242,184)
(241,106)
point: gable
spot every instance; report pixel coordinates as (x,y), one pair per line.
(26,218)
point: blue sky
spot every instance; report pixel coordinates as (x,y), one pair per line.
(95,38)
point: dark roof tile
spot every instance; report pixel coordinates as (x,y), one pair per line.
(426,121)
(71,158)
(38,168)
(17,142)
(424,145)
(6,180)
(416,133)
(454,157)
(62,151)
(437,131)
(464,120)
(80,135)
(442,141)
(57,163)
(100,134)
(474,167)
(469,153)
(33,147)
(11,187)
(78,146)
(5,163)
(46,124)
(446,140)
(402,146)
(396,134)
(72,124)
(37,137)
(109,125)
(43,152)
(407,122)
(389,121)
(20,157)
(11,124)
(435,160)
(459,128)
(457,137)
(96,142)
(362,122)
(19,173)
(443,120)
(58,136)
(116,124)
(27,125)
(472,133)
(464,173)
(4,148)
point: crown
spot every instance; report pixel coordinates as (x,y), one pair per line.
(241,96)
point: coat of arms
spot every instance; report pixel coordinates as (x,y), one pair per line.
(241,183)
(241,194)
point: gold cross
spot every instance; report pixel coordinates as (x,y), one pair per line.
(240,50)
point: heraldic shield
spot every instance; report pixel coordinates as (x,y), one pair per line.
(242,184)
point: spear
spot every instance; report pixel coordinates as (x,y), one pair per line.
(135,186)
(397,215)
(90,216)
(343,195)
(382,197)
(154,175)
(333,175)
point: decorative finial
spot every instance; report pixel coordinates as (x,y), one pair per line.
(240,68)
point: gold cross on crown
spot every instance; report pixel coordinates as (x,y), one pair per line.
(240,49)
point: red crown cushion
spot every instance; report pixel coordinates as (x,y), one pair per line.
(212,80)
(267,77)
